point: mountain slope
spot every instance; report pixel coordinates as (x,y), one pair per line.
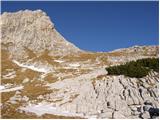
(45,76)
(35,31)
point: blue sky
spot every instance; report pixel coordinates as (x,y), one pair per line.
(99,26)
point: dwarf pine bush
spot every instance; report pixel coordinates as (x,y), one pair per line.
(138,69)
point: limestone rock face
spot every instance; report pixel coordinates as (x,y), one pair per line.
(35,31)
(117,97)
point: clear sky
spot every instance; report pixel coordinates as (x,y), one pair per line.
(100,26)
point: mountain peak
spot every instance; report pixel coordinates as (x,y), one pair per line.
(35,31)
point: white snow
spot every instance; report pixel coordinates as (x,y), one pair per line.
(2,87)
(74,65)
(11,89)
(43,108)
(15,98)
(69,67)
(32,67)
(59,61)
(9,70)
(10,75)
(25,80)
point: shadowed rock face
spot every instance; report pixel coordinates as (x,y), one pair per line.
(34,30)
(41,70)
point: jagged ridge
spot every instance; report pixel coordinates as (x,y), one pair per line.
(35,31)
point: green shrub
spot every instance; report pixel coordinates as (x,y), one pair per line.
(138,69)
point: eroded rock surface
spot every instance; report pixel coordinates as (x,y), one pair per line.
(109,96)
(32,30)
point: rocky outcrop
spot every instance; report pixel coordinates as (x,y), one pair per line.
(109,96)
(32,30)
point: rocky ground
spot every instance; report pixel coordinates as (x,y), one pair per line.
(40,84)
(74,88)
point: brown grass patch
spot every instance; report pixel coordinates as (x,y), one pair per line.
(9,111)
(100,77)
(74,96)
(5,96)
(34,89)
(30,53)
(51,78)
(6,63)
(116,54)
(46,57)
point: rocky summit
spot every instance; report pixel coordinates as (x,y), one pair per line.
(32,30)
(45,76)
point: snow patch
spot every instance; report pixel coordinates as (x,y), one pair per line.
(59,61)
(25,80)
(10,75)
(14,99)
(74,65)
(2,87)
(11,89)
(43,108)
(32,67)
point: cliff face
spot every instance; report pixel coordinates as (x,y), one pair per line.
(35,31)
(45,76)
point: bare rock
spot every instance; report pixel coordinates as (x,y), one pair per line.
(35,31)
(146,115)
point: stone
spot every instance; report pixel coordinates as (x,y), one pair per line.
(118,115)
(146,115)
(106,115)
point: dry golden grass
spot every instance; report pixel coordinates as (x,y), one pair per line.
(29,74)
(116,54)
(34,89)
(100,77)
(104,61)
(5,96)
(46,57)
(10,111)
(51,78)
(30,53)
(63,70)
(89,58)
(74,71)
(82,57)
(74,96)
(84,71)
(6,63)
(20,76)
